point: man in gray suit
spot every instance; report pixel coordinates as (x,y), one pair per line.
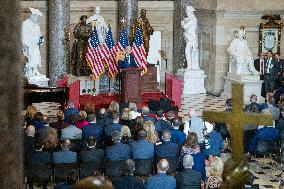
(271,73)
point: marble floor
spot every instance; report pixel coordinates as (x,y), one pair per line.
(267,172)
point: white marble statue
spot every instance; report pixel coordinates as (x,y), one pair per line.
(189,24)
(99,22)
(32,39)
(240,58)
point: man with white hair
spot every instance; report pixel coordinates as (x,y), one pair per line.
(188,178)
(213,141)
(161,180)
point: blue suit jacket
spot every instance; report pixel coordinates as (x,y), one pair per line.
(161,181)
(117,152)
(161,125)
(111,128)
(142,149)
(126,63)
(128,182)
(215,142)
(64,157)
(93,130)
(178,137)
(70,111)
(199,164)
(167,149)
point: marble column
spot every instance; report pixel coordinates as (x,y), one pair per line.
(128,10)
(59,39)
(11,144)
(179,43)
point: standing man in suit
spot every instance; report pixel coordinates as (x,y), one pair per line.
(259,65)
(280,65)
(129,61)
(271,73)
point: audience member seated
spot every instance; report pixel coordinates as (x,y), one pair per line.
(51,140)
(29,140)
(93,129)
(115,126)
(269,102)
(71,179)
(253,105)
(188,178)
(191,146)
(145,114)
(38,157)
(90,109)
(263,133)
(30,113)
(213,141)
(161,123)
(249,181)
(71,132)
(178,136)
(195,125)
(93,183)
(91,153)
(118,151)
(133,111)
(82,120)
(59,124)
(65,155)
(71,110)
(137,125)
(215,171)
(113,109)
(142,149)
(167,149)
(38,118)
(161,180)
(129,181)
(102,117)
(126,117)
(125,134)
(152,135)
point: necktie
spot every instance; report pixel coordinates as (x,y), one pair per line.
(261,67)
(268,66)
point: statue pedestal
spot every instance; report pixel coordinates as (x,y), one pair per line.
(193,81)
(252,85)
(40,80)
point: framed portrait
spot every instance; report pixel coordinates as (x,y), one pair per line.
(270,34)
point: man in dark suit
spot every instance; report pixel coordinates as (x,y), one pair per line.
(115,126)
(280,62)
(129,61)
(259,65)
(91,153)
(102,117)
(161,123)
(145,114)
(118,151)
(142,149)
(128,181)
(71,110)
(168,148)
(188,178)
(38,157)
(271,73)
(161,180)
(65,155)
(29,139)
(178,136)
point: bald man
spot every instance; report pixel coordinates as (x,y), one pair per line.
(29,139)
(161,180)
(167,149)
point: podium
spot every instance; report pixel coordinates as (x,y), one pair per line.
(130,88)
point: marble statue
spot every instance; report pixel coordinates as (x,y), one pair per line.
(240,58)
(82,32)
(99,22)
(146,28)
(32,39)
(189,24)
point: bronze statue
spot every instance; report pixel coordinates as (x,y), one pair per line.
(82,32)
(147,30)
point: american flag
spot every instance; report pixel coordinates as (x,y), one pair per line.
(139,52)
(123,41)
(94,55)
(109,51)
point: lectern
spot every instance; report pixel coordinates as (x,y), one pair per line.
(130,79)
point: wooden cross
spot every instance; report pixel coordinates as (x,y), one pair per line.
(237,119)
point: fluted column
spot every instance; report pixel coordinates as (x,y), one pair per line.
(11,144)
(179,43)
(59,38)
(127,10)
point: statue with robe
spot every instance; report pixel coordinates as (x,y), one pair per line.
(189,24)
(146,28)
(32,39)
(82,33)
(99,23)
(240,58)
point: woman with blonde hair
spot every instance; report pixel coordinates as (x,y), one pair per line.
(125,134)
(126,117)
(50,140)
(30,113)
(82,120)
(215,172)
(113,107)
(152,135)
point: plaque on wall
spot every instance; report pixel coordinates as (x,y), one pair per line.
(270,34)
